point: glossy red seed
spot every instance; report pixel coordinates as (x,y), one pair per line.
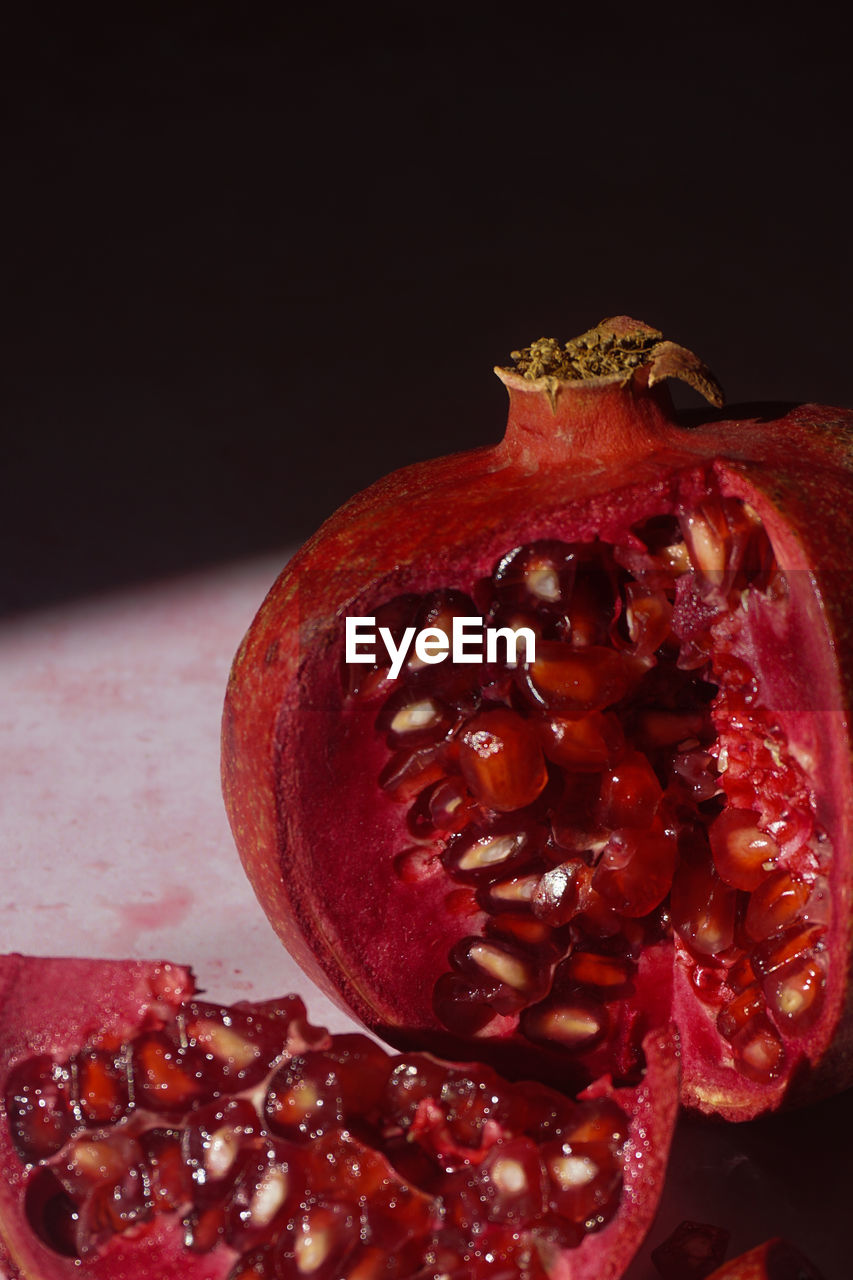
(636,870)
(758,1050)
(586,745)
(793,943)
(583,1178)
(462,1004)
(411,770)
(410,718)
(574,682)
(510,1181)
(37,1104)
(482,854)
(51,1212)
(525,930)
(795,994)
(577,1021)
(170,1183)
(515,893)
(304,1097)
(741,973)
(743,854)
(734,1016)
(775,904)
(323,1238)
(649,616)
(521,976)
(630,792)
(501,760)
(537,574)
(561,892)
(609,975)
(703,908)
(414,865)
(238,1048)
(413,1079)
(100,1087)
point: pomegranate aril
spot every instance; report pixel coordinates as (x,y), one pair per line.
(214,1140)
(412,719)
(576,1020)
(413,1079)
(51,1212)
(630,792)
(758,1050)
(168,1175)
(524,930)
(461,1004)
(238,1048)
(583,1179)
(361,1067)
(409,772)
(509,1181)
(437,613)
(648,616)
(696,773)
(795,994)
(304,1097)
(204,1228)
(105,1178)
(736,1014)
(37,1104)
(99,1087)
(520,977)
(636,869)
(165,1077)
(540,574)
(480,854)
(574,682)
(318,1246)
(743,854)
(741,974)
(610,976)
(501,760)
(561,892)
(776,903)
(587,745)
(703,908)
(446,806)
(513,894)
(269,1185)
(658,728)
(796,941)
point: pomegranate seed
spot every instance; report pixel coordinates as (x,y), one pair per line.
(561,893)
(782,948)
(165,1078)
(40,1118)
(636,870)
(708,541)
(577,1021)
(609,975)
(444,807)
(409,719)
(776,902)
(584,1178)
(741,974)
(51,1212)
(512,894)
(362,1068)
(539,574)
(462,903)
(477,854)
(574,682)
(697,774)
(304,1097)
(737,1013)
(477,1098)
(524,930)
(100,1087)
(742,853)
(412,1080)
(238,1048)
(707,982)
(408,772)
(167,1173)
(106,1180)
(204,1228)
(703,908)
(758,1050)
(519,975)
(268,1187)
(216,1138)
(501,760)
(324,1236)
(462,1005)
(586,745)
(795,994)
(436,614)
(668,728)
(509,1181)
(649,618)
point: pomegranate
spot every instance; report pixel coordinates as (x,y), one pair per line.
(147,1132)
(637,804)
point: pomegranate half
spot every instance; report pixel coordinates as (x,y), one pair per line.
(536,857)
(146,1134)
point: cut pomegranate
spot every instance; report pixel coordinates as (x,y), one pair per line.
(664,785)
(338,1160)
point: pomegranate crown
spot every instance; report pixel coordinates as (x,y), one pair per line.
(616,350)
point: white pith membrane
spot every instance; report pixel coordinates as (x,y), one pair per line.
(627,792)
(302,1155)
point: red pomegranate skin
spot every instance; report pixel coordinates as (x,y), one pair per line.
(579,459)
(58,1006)
(774,1260)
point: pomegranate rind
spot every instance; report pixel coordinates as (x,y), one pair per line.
(59,1005)
(774,1260)
(580,461)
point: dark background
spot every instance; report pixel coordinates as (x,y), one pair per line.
(253,262)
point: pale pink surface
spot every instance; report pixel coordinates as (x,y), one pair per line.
(115,841)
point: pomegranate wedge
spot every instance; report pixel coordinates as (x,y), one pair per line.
(147,1133)
(534,852)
